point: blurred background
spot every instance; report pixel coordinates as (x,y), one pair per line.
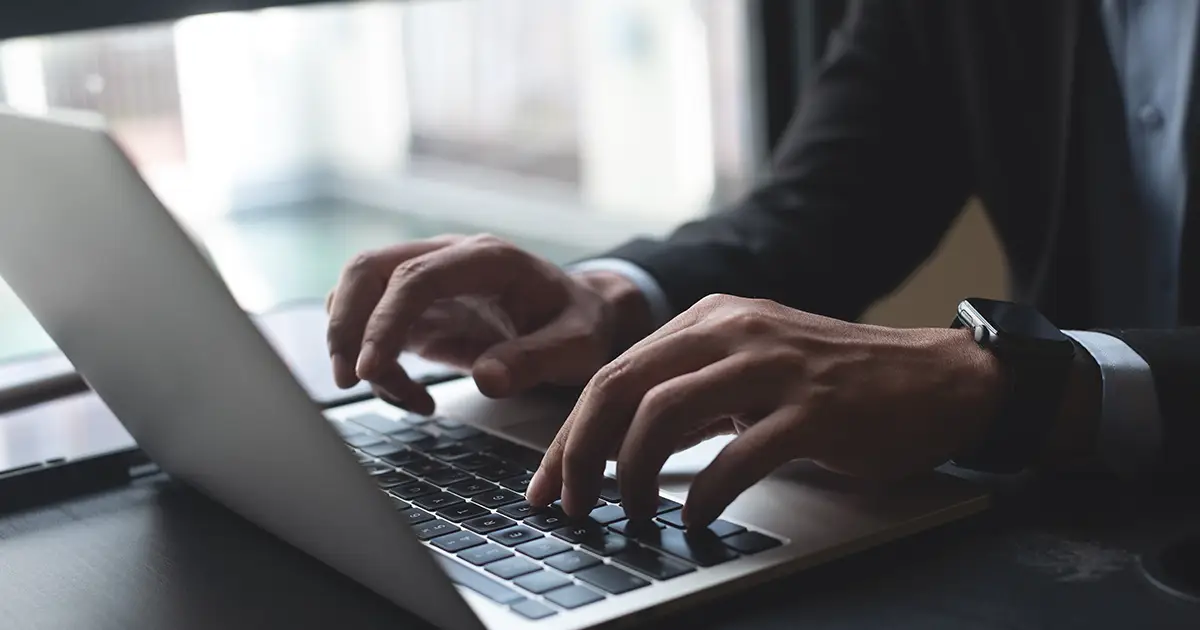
(286,139)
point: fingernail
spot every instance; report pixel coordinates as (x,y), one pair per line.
(536,492)
(368,359)
(495,376)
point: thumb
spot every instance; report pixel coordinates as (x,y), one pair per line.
(554,352)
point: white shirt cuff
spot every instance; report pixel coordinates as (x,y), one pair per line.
(1130,433)
(660,307)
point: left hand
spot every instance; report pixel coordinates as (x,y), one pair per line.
(866,401)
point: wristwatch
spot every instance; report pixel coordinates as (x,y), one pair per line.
(1036,357)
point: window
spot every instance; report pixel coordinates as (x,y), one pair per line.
(287,139)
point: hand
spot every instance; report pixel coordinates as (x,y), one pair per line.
(860,400)
(475,303)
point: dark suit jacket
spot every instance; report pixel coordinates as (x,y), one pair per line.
(918,105)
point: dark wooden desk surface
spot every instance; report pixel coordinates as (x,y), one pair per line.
(159,555)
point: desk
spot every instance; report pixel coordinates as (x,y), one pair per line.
(158,555)
(161,556)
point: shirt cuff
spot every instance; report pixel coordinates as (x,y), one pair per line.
(1130,438)
(660,307)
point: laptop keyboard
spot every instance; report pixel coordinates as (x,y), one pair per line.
(462,492)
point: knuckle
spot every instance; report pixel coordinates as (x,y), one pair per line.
(610,380)
(750,320)
(574,454)
(363,263)
(661,400)
(712,302)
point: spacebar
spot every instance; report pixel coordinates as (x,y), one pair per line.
(479,583)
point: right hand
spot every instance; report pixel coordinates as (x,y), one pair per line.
(475,303)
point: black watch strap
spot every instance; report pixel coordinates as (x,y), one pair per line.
(1034,387)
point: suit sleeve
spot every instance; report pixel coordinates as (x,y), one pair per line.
(867,179)
(1174,360)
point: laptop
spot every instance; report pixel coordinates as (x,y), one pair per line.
(426,512)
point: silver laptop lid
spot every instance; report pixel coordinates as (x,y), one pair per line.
(127,296)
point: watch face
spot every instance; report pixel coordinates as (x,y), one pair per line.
(1013,323)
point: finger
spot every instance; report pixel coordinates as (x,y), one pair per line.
(469,267)
(561,350)
(403,391)
(350,304)
(547,482)
(758,451)
(603,413)
(740,385)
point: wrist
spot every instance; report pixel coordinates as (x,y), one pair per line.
(629,314)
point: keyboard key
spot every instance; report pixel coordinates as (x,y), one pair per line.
(651,563)
(478,582)
(518,455)
(485,443)
(533,609)
(751,542)
(541,581)
(425,467)
(435,502)
(518,484)
(611,579)
(722,529)
(402,457)
(381,424)
(365,459)
(514,536)
(471,487)
(447,477)
(413,490)
(417,419)
(377,468)
(573,596)
(461,433)
(412,437)
(608,514)
(381,449)
(572,561)
(633,529)
(704,550)
(392,478)
(496,498)
(579,533)
(485,554)
(452,452)
(457,541)
(607,545)
(512,567)
(488,524)
(416,516)
(718,528)
(547,520)
(447,423)
(363,439)
(519,511)
(475,462)
(433,529)
(558,504)
(346,429)
(502,470)
(433,444)
(461,512)
(398,504)
(609,491)
(666,505)
(543,548)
